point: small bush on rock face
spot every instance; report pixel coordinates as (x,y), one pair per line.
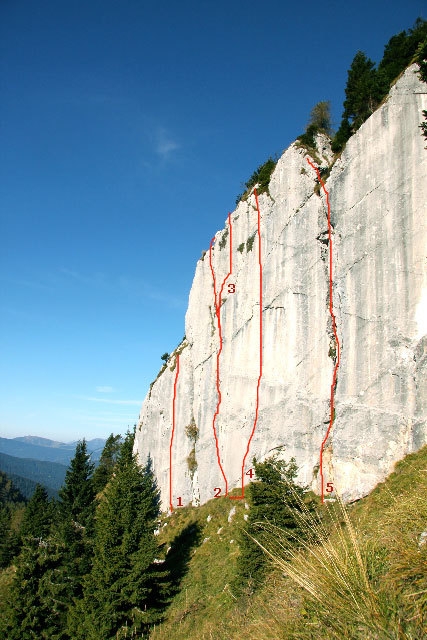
(250,242)
(261,177)
(307,138)
(191,430)
(320,122)
(192,462)
(421,60)
(223,240)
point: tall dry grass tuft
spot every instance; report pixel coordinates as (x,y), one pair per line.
(342,574)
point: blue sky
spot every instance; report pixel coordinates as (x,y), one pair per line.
(127,129)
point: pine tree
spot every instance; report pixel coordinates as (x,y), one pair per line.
(421,59)
(6,551)
(397,56)
(77,494)
(74,528)
(341,136)
(362,92)
(320,117)
(320,122)
(118,593)
(104,470)
(399,52)
(12,503)
(37,518)
(274,499)
(38,600)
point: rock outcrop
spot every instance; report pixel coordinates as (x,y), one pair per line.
(378,202)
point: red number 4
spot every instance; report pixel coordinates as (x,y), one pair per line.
(250,473)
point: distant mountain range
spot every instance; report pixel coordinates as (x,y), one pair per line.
(26,473)
(48,450)
(29,460)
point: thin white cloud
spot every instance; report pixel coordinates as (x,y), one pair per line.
(108,401)
(125,284)
(105,389)
(26,283)
(164,144)
(94,279)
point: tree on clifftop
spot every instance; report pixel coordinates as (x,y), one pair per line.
(362,92)
(320,122)
(421,59)
(362,95)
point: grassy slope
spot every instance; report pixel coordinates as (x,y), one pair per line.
(210,549)
(366,568)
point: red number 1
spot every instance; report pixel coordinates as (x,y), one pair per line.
(180,502)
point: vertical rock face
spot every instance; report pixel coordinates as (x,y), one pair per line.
(252,384)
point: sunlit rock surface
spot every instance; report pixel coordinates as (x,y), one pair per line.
(378,199)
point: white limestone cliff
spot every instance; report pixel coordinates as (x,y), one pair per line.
(378,200)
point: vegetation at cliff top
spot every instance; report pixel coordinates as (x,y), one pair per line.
(366,87)
(421,59)
(261,177)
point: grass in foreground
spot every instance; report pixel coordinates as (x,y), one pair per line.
(360,574)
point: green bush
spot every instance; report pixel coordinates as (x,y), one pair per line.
(250,242)
(191,431)
(320,122)
(261,177)
(223,240)
(276,500)
(192,462)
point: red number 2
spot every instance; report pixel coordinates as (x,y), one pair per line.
(217,492)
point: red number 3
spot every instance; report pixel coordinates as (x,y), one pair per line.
(231,288)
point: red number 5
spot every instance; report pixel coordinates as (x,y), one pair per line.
(329,487)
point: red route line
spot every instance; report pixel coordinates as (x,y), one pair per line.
(218,316)
(173,432)
(260,350)
(334,329)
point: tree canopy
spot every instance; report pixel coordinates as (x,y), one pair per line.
(118,592)
(275,499)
